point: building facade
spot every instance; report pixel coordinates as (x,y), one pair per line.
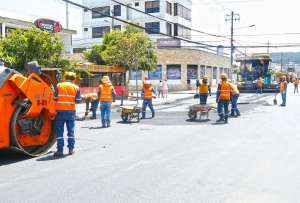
(8,24)
(175,19)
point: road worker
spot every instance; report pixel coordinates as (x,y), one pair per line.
(91,104)
(235,93)
(259,85)
(223,98)
(283,89)
(66,94)
(296,84)
(147,95)
(106,95)
(204,90)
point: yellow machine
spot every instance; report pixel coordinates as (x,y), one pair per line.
(27,109)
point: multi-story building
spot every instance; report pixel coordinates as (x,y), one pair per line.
(175,18)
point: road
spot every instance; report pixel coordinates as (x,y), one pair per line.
(254,158)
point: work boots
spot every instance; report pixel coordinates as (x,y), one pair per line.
(221,119)
(58,154)
(71,151)
(226,119)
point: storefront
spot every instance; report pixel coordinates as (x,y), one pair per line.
(117,76)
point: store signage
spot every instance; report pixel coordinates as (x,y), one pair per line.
(48,25)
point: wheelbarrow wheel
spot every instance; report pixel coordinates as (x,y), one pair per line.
(192,115)
(124,117)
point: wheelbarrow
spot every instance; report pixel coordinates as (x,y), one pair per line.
(128,113)
(202,109)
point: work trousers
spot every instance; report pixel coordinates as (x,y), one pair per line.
(295,88)
(105,108)
(234,106)
(203,99)
(259,90)
(62,118)
(94,105)
(147,102)
(223,108)
(283,97)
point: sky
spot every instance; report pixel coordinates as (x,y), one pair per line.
(268,16)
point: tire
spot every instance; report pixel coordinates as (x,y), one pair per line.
(124,117)
(192,115)
(32,151)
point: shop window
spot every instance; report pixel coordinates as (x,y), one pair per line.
(152,27)
(152,6)
(101,12)
(155,74)
(192,72)
(98,32)
(174,72)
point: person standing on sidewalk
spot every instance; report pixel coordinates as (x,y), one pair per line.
(259,85)
(283,89)
(160,90)
(235,93)
(296,84)
(223,98)
(204,91)
(66,95)
(147,95)
(165,89)
(106,95)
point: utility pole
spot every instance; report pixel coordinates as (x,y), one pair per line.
(281,54)
(268,49)
(67,15)
(233,17)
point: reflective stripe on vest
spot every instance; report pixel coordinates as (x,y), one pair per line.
(148,93)
(66,96)
(106,93)
(225,91)
(282,86)
(203,89)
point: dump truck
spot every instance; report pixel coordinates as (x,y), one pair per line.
(27,109)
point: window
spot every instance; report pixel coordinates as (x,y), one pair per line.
(215,72)
(117,10)
(0,30)
(133,75)
(202,71)
(155,74)
(85,29)
(169,7)
(174,72)
(8,30)
(169,28)
(152,27)
(182,11)
(182,31)
(117,27)
(101,12)
(192,72)
(136,4)
(152,7)
(98,32)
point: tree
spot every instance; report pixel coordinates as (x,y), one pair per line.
(94,55)
(131,48)
(22,46)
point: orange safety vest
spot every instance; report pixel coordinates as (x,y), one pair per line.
(225,89)
(148,92)
(66,96)
(106,93)
(203,88)
(282,86)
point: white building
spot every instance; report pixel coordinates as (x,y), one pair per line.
(175,15)
(8,24)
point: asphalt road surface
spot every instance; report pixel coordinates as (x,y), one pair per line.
(255,158)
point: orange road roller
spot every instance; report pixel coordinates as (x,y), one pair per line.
(27,109)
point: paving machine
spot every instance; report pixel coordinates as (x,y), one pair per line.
(27,109)
(254,67)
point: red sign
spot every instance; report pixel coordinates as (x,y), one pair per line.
(49,25)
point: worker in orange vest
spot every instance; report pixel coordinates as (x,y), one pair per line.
(223,98)
(93,100)
(259,85)
(235,94)
(106,95)
(66,94)
(296,84)
(283,89)
(204,91)
(147,95)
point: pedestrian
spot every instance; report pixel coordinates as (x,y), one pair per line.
(91,104)
(259,85)
(106,95)
(223,98)
(66,94)
(283,90)
(235,93)
(147,94)
(296,84)
(160,90)
(204,91)
(165,89)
